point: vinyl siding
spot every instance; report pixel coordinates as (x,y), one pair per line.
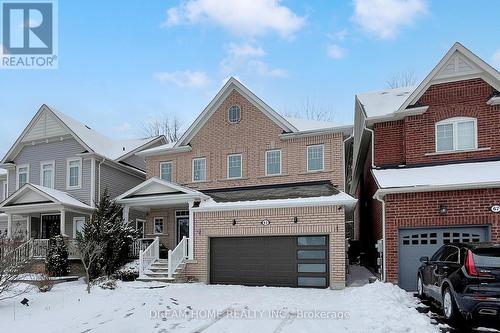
(116,181)
(58,151)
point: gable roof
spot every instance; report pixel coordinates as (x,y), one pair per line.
(92,141)
(36,194)
(459,63)
(233,84)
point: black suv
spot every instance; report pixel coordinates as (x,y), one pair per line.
(464,278)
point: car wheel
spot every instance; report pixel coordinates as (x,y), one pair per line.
(449,305)
(420,287)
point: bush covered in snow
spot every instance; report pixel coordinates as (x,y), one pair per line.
(44,284)
(128,272)
(56,262)
(105,282)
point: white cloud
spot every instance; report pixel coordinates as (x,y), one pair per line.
(384,18)
(184,78)
(335,52)
(243,17)
(495,59)
(339,35)
(248,58)
(123,127)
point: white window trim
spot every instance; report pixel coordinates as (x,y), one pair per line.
(281,162)
(78,159)
(171,169)
(17,174)
(143,226)
(154,226)
(53,163)
(229,114)
(192,170)
(454,121)
(75,220)
(241,166)
(322,156)
(2,190)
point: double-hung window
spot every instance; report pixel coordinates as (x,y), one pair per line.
(74,173)
(47,171)
(273,162)
(166,171)
(234,166)
(199,169)
(23,175)
(158,225)
(456,134)
(315,158)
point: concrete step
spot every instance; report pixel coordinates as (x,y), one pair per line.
(161,261)
(158,279)
(158,269)
(155,274)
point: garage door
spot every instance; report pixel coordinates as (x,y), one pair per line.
(295,261)
(416,243)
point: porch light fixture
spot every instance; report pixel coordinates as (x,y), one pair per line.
(234,221)
(443,209)
(295,219)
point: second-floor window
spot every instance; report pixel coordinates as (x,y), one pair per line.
(456,134)
(199,169)
(47,174)
(315,158)
(23,175)
(234,166)
(166,171)
(273,162)
(74,173)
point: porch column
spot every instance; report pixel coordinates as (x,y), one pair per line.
(126,213)
(28,227)
(63,222)
(191,232)
(9,225)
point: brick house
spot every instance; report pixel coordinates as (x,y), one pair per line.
(246,196)
(426,162)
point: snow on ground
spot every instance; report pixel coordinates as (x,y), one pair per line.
(150,307)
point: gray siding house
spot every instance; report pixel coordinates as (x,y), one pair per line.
(54,173)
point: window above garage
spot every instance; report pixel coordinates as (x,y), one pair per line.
(454,134)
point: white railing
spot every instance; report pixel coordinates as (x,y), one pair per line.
(23,252)
(40,248)
(149,256)
(177,256)
(139,245)
(72,246)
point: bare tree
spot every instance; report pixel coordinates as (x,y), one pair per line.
(90,251)
(406,78)
(312,110)
(164,125)
(15,261)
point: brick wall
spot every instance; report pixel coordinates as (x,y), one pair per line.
(410,141)
(469,207)
(252,136)
(328,220)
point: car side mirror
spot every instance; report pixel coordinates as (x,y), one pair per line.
(424,260)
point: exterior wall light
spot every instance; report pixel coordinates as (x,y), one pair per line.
(443,210)
(295,219)
(234,221)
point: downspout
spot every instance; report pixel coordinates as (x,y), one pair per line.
(99,171)
(345,162)
(384,253)
(372,133)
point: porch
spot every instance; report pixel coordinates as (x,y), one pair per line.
(168,230)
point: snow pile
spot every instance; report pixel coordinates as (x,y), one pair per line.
(153,307)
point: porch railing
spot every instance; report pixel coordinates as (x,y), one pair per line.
(149,256)
(139,245)
(72,246)
(40,248)
(177,256)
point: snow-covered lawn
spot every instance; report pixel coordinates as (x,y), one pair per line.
(136,306)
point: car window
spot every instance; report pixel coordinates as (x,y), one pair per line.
(449,254)
(436,255)
(487,257)
(463,254)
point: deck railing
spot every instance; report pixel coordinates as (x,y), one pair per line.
(177,256)
(149,256)
(40,248)
(139,245)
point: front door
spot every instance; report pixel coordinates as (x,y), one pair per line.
(51,226)
(182,228)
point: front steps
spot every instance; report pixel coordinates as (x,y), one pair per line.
(158,271)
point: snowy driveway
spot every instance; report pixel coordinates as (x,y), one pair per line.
(134,307)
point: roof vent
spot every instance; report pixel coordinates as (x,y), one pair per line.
(87,127)
(123,148)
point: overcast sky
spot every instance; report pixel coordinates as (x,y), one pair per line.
(122,63)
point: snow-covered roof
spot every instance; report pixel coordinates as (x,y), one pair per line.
(384,102)
(310,125)
(61,197)
(99,143)
(157,150)
(445,176)
(341,198)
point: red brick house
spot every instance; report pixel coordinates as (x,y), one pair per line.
(427,164)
